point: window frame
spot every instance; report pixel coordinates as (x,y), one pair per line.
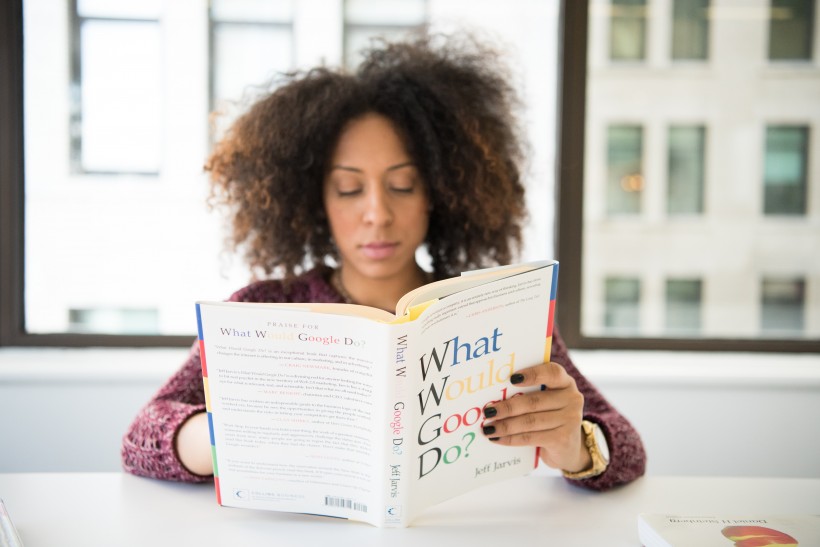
(569,191)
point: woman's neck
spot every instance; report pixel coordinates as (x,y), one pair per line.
(381,293)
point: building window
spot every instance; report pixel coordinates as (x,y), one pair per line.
(116,96)
(683,306)
(791,30)
(627,31)
(782,306)
(365,20)
(625,179)
(622,297)
(786,159)
(682,182)
(114,320)
(251,42)
(686,170)
(690,30)
(92,251)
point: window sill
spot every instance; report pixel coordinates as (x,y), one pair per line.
(611,367)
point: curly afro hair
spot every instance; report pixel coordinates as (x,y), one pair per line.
(453,103)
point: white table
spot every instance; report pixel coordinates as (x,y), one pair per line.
(113,509)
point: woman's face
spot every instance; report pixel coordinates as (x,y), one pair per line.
(375,200)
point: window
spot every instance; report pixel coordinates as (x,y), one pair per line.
(116,100)
(683,309)
(782,305)
(791,30)
(624,169)
(627,37)
(104,231)
(622,310)
(724,179)
(251,42)
(690,29)
(784,180)
(686,170)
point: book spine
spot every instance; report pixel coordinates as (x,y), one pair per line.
(203,361)
(550,325)
(398,444)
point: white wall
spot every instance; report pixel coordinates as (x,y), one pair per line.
(712,414)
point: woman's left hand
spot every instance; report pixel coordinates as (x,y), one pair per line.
(549,419)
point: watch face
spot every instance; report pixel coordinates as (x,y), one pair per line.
(600,439)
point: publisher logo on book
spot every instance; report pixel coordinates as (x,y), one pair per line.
(392,511)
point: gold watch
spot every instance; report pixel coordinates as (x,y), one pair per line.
(596,444)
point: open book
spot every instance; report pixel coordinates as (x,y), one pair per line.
(350,411)
(657,530)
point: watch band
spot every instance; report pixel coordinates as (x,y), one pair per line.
(599,460)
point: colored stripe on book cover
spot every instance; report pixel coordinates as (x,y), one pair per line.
(213,457)
(551,318)
(201,342)
(211,427)
(199,322)
(202,358)
(218,491)
(548,349)
(554,290)
(207,393)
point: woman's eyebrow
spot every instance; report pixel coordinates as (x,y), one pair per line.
(358,170)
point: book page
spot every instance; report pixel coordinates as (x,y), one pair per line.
(469,279)
(296,417)
(470,343)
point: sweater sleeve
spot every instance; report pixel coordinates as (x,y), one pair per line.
(627,459)
(148,447)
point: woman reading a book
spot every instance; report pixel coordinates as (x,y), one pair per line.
(416,149)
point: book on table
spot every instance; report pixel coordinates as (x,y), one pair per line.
(658,530)
(350,411)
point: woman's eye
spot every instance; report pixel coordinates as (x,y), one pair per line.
(343,192)
(402,186)
(403,189)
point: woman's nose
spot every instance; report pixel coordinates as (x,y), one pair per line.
(378,210)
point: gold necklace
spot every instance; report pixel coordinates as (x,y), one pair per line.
(336,282)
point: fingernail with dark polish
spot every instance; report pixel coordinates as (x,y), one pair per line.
(516,378)
(494,438)
(490,411)
(489,429)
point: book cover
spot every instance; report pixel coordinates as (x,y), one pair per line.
(656,530)
(353,412)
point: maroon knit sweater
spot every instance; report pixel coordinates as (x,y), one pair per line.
(148,447)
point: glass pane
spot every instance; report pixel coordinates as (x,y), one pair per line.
(683,312)
(627,36)
(782,306)
(386,12)
(257,11)
(785,174)
(699,172)
(690,29)
(622,309)
(246,58)
(625,179)
(686,148)
(791,29)
(116,252)
(113,252)
(120,96)
(114,321)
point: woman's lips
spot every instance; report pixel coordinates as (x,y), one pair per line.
(379,250)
